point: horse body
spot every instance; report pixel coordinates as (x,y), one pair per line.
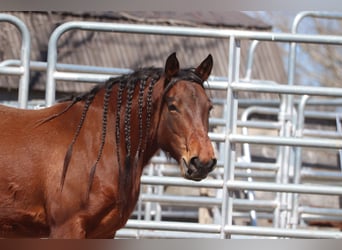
(31,195)
(23,174)
(41,197)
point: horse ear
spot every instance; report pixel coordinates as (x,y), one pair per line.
(171,66)
(204,69)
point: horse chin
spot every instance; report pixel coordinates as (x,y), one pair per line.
(190,172)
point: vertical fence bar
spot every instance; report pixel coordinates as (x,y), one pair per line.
(229,148)
(298,160)
(50,92)
(250,59)
(24,58)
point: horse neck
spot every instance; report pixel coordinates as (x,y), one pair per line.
(149,144)
(149,141)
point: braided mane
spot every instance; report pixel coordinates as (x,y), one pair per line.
(143,78)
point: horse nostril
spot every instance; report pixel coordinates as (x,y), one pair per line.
(206,165)
(195,161)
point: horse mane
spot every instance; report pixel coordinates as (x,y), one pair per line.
(128,82)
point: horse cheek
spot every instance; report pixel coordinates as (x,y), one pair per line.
(166,134)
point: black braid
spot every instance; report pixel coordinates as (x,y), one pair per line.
(103,135)
(127,121)
(117,120)
(89,99)
(73,100)
(140,113)
(149,107)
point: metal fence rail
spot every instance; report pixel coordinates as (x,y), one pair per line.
(53,74)
(230,192)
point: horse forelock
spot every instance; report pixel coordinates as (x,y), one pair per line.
(185,74)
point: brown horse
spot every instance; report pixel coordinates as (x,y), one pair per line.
(73,170)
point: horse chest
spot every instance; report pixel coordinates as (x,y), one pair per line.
(112,221)
(116,215)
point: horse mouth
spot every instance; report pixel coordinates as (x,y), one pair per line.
(190,172)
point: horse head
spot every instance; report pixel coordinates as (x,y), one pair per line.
(184,120)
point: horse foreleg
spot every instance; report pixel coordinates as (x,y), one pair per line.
(71,229)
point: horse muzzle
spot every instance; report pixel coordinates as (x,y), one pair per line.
(196,169)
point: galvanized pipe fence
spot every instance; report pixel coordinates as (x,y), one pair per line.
(229,195)
(23,68)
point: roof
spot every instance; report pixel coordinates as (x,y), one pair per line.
(227,19)
(135,50)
